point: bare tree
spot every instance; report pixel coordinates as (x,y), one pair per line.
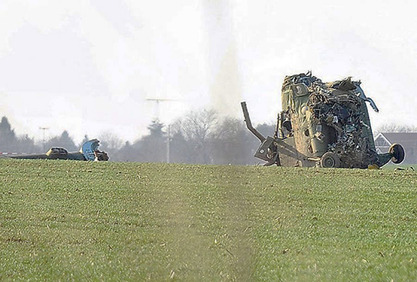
(27,145)
(393,127)
(110,142)
(199,125)
(197,129)
(232,143)
(64,141)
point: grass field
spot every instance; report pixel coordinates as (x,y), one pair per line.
(63,220)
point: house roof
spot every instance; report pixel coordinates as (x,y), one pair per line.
(404,138)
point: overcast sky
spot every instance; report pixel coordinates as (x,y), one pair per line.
(90,67)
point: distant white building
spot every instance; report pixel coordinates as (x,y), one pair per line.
(407,139)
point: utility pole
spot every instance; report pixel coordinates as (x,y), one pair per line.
(157,113)
(168,143)
(44,129)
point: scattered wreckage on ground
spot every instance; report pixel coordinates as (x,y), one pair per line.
(88,152)
(323,125)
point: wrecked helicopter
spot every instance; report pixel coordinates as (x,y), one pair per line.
(88,152)
(322,125)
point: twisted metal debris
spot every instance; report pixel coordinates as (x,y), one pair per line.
(323,124)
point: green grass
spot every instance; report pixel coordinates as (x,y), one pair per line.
(411,167)
(63,220)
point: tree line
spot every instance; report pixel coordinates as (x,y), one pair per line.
(201,137)
(11,143)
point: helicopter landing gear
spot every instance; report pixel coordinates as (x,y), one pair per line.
(397,152)
(330,160)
